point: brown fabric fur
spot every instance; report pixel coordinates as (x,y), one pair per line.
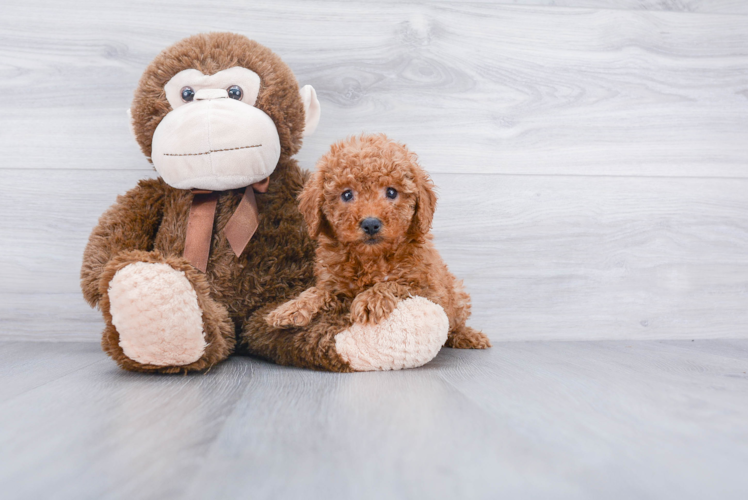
(218,328)
(148,224)
(373,273)
(210,53)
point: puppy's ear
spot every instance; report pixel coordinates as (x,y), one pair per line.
(311,199)
(425,202)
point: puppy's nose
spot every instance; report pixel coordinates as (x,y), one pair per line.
(371,225)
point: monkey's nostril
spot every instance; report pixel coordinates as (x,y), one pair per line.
(208,94)
(371,225)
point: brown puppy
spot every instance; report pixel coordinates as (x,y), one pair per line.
(370,206)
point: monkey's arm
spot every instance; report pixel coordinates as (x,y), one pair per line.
(301,310)
(376,303)
(130,224)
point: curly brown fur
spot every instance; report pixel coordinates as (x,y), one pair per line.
(310,347)
(300,311)
(372,272)
(149,224)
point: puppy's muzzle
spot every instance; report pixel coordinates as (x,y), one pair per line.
(371,225)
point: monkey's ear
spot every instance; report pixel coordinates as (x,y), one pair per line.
(311,109)
(132,125)
(311,200)
(425,204)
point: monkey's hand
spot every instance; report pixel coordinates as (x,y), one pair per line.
(299,311)
(130,224)
(376,303)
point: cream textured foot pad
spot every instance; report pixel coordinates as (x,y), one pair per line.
(411,336)
(156,313)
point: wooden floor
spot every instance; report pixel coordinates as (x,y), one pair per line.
(582,420)
(591,155)
(592,164)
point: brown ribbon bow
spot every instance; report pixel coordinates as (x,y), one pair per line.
(239,230)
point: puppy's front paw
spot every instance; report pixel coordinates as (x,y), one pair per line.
(291,314)
(370,307)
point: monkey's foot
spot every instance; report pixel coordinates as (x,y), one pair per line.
(155,310)
(409,337)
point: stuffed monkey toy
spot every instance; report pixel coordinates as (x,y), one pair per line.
(185,267)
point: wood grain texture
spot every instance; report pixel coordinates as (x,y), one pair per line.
(28,366)
(702,6)
(592,155)
(473,87)
(582,420)
(543,257)
(115,435)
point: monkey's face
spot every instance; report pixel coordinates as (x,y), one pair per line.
(215,138)
(217,111)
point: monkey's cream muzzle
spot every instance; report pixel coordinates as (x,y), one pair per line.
(211,142)
(215,143)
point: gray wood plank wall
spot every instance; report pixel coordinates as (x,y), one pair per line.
(592,156)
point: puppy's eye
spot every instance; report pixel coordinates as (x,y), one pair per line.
(187,94)
(347,195)
(391,193)
(235,92)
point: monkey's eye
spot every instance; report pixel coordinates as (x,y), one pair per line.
(187,94)
(235,92)
(391,193)
(347,195)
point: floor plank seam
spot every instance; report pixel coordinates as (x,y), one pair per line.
(61,377)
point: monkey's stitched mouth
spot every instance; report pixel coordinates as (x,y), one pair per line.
(212,151)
